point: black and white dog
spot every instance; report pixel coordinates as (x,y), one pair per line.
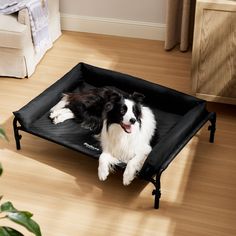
(125,126)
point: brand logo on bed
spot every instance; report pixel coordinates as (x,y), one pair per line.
(89,146)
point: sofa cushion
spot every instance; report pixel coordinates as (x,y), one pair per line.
(12,33)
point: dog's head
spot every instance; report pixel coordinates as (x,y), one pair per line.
(125,111)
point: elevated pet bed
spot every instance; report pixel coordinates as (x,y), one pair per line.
(179,117)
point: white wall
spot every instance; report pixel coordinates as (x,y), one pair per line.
(137,18)
(136,10)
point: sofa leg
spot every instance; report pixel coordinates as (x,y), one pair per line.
(16,134)
(212,127)
(157,191)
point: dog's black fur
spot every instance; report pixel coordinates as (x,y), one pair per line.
(91,106)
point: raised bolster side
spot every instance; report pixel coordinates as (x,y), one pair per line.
(156,95)
(169,146)
(48,98)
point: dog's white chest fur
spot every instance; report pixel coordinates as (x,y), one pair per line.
(119,143)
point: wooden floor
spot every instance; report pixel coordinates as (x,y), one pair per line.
(61,186)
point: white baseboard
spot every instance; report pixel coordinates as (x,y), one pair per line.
(110,26)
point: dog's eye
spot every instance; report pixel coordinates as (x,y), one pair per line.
(123,109)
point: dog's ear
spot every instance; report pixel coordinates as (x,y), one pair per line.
(113,99)
(138,97)
(108,106)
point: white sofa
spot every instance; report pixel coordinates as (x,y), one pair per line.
(17,54)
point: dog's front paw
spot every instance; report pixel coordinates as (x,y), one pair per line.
(127,179)
(103,173)
(128,175)
(131,170)
(106,164)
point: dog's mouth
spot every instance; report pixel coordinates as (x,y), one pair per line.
(126,128)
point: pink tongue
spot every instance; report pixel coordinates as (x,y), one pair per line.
(127,128)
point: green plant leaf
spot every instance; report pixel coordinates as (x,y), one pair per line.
(8,207)
(1,169)
(7,231)
(24,219)
(3,134)
(20,217)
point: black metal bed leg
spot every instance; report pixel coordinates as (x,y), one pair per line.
(212,127)
(16,134)
(157,191)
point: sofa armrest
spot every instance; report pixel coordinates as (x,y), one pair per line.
(53,21)
(23,17)
(53,8)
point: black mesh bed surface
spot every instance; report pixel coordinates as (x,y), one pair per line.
(179,117)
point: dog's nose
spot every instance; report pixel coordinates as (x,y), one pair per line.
(132,121)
